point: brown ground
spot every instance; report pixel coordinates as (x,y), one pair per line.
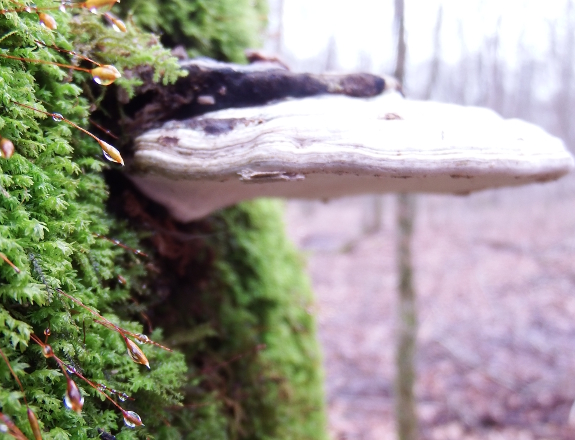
(496,289)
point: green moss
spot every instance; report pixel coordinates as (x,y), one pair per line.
(220,29)
(52,203)
(242,284)
(239,309)
(268,301)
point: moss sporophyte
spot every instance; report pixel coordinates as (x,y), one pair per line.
(219,299)
(110,153)
(103,74)
(73,399)
(40,163)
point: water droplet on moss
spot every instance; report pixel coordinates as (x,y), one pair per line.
(73,399)
(142,339)
(47,351)
(132,419)
(105,74)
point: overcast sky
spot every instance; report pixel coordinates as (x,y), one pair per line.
(362,30)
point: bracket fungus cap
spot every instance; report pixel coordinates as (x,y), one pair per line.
(331,146)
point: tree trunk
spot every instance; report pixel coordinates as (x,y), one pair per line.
(406,417)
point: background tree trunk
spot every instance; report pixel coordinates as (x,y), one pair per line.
(405,408)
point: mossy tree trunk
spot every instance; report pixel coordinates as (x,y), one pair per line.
(56,206)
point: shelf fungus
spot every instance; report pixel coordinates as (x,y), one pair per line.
(331,146)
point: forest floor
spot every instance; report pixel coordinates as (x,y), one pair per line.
(495,279)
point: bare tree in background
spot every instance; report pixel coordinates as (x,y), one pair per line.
(401,46)
(405,407)
(435,61)
(564,96)
(331,55)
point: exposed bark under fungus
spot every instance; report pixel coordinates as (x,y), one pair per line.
(211,85)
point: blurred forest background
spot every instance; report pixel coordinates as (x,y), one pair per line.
(495,271)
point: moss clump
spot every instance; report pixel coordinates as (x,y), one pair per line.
(268,301)
(220,301)
(253,346)
(220,29)
(52,203)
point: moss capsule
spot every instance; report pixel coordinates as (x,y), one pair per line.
(34,425)
(105,74)
(136,353)
(6,148)
(92,5)
(132,419)
(47,21)
(111,153)
(73,399)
